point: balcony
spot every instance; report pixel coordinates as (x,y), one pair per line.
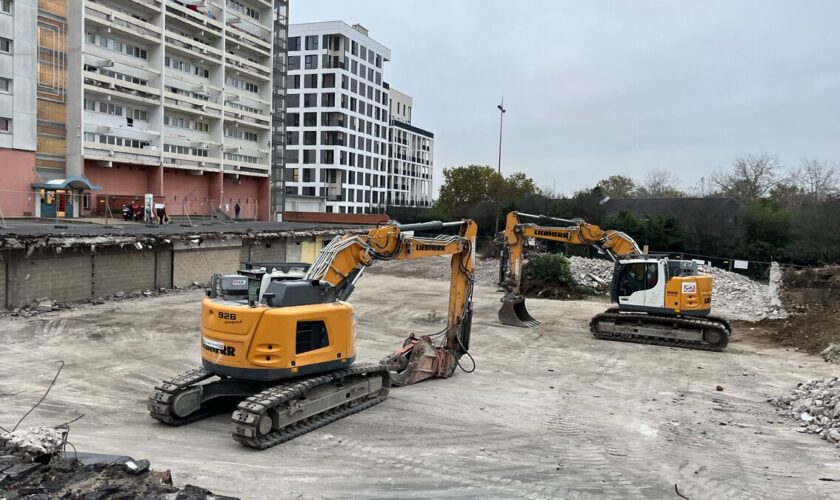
(247,118)
(129,28)
(151,5)
(192,48)
(192,20)
(250,68)
(192,162)
(191,105)
(123,154)
(108,86)
(245,40)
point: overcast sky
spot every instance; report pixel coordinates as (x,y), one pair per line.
(596,88)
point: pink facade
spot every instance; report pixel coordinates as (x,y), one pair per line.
(17,173)
(183,191)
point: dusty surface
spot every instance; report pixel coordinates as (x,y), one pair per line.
(550,412)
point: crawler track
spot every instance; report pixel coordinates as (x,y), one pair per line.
(719,325)
(250,412)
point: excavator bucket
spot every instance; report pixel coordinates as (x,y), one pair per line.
(514,313)
(418,360)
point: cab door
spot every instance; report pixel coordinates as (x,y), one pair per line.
(640,285)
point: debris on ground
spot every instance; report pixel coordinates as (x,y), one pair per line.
(596,273)
(813,323)
(816,406)
(34,442)
(32,466)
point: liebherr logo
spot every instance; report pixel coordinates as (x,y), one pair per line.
(218,347)
(429,248)
(556,234)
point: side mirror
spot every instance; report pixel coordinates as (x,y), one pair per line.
(269,299)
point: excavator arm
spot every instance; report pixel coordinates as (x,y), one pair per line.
(343,261)
(614,244)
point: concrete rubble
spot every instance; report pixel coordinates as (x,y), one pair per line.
(33,442)
(816,406)
(831,353)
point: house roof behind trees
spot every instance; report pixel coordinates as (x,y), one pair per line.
(679,208)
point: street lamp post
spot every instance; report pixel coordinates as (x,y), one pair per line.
(502,112)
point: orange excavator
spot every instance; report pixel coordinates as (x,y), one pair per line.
(281,348)
(660,300)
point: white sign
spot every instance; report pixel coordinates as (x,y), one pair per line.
(212,344)
(741,264)
(689,287)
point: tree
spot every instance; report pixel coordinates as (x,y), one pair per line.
(465,187)
(618,186)
(705,188)
(816,179)
(767,228)
(659,183)
(751,178)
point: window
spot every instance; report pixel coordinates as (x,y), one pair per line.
(292,156)
(292,138)
(5,45)
(637,277)
(310,81)
(248,11)
(6,6)
(6,85)
(312,42)
(294,63)
(293,119)
(5,125)
(310,62)
(308,156)
(354,48)
(309,138)
(362,52)
(310,100)
(294,81)
(294,44)
(293,101)
(310,119)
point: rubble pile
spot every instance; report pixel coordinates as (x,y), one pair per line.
(596,273)
(816,406)
(739,297)
(32,465)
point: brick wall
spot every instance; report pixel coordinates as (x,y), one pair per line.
(123,271)
(192,265)
(63,278)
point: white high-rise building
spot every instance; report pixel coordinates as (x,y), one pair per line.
(337,119)
(410,156)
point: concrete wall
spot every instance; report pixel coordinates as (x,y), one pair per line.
(63,278)
(193,263)
(72,276)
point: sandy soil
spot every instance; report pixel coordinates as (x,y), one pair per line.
(550,412)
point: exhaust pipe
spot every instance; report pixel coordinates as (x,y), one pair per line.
(514,313)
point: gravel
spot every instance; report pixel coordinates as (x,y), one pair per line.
(816,406)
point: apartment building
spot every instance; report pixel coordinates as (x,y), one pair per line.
(167,97)
(337,119)
(410,156)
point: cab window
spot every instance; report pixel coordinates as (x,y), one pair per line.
(638,277)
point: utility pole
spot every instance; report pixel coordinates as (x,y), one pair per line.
(502,112)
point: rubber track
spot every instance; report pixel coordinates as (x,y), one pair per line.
(247,415)
(613,314)
(160,404)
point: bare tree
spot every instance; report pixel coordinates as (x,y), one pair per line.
(705,188)
(660,183)
(752,177)
(817,179)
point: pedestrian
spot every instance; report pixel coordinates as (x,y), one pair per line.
(236,209)
(160,210)
(137,210)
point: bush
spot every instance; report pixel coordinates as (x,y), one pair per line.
(550,270)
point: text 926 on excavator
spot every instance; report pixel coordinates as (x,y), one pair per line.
(280,346)
(660,300)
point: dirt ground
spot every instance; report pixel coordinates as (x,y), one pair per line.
(550,412)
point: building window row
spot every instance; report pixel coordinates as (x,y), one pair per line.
(241,158)
(242,84)
(115,75)
(115,45)
(188,93)
(242,107)
(116,141)
(186,67)
(240,7)
(238,133)
(185,150)
(115,109)
(185,123)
